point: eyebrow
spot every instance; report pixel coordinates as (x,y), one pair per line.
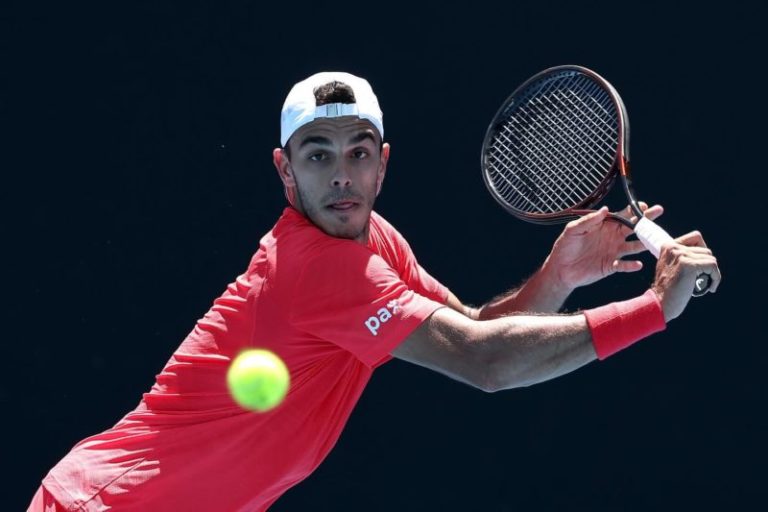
(325,141)
(316,139)
(360,137)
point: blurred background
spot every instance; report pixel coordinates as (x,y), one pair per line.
(137,181)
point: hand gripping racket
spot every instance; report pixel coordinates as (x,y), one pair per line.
(555,147)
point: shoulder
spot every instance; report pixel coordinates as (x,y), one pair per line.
(383,225)
(384,234)
(339,257)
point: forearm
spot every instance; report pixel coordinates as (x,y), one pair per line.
(541,293)
(520,350)
(503,353)
(523,350)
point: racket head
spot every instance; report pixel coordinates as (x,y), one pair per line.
(555,146)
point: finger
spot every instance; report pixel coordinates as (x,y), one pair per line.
(695,266)
(693,238)
(676,250)
(632,247)
(695,251)
(652,213)
(716,277)
(628,212)
(691,250)
(627,265)
(591,220)
(636,247)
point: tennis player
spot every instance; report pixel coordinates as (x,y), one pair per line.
(336,292)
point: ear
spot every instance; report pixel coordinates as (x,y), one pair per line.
(283,167)
(285,171)
(382,167)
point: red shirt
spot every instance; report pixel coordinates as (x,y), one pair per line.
(332,309)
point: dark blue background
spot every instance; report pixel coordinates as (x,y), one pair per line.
(138,179)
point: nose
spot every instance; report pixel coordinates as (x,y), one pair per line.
(341,178)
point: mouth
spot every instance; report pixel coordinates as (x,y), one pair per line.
(343,206)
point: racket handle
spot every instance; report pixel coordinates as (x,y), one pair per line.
(653,237)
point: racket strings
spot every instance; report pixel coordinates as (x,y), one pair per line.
(556,146)
(511,138)
(555,152)
(553,137)
(546,158)
(550,131)
(566,142)
(562,190)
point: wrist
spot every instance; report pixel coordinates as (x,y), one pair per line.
(618,325)
(550,275)
(659,291)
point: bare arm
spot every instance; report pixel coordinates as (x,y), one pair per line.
(501,353)
(520,350)
(541,293)
(587,250)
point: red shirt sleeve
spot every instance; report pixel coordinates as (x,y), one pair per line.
(418,279)
(351,297)
(395,249)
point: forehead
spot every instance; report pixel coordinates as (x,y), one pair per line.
(339,129)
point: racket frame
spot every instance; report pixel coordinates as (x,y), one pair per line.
(652,235)
(620,165)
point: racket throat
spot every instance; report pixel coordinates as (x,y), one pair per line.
(626,180)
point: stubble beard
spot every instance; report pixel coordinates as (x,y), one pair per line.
(315,214)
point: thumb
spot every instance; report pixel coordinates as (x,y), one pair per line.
(590,220)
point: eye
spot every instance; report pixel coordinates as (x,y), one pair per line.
(317,157)
(360,154)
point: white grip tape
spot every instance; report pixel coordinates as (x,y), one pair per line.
(652,236)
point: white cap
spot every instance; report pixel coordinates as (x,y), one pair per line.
(300,106)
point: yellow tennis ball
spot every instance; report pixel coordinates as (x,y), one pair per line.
(258,380)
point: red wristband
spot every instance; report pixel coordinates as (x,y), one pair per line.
(618,325)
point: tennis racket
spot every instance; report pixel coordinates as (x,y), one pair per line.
(555,147)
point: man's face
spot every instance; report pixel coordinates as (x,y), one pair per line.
(335,170)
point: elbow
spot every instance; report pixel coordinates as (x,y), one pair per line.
(508,355)
(484,359)
(476,363)
(491,381)
(490,375)
(482,381)
(497,372)
(489,386)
